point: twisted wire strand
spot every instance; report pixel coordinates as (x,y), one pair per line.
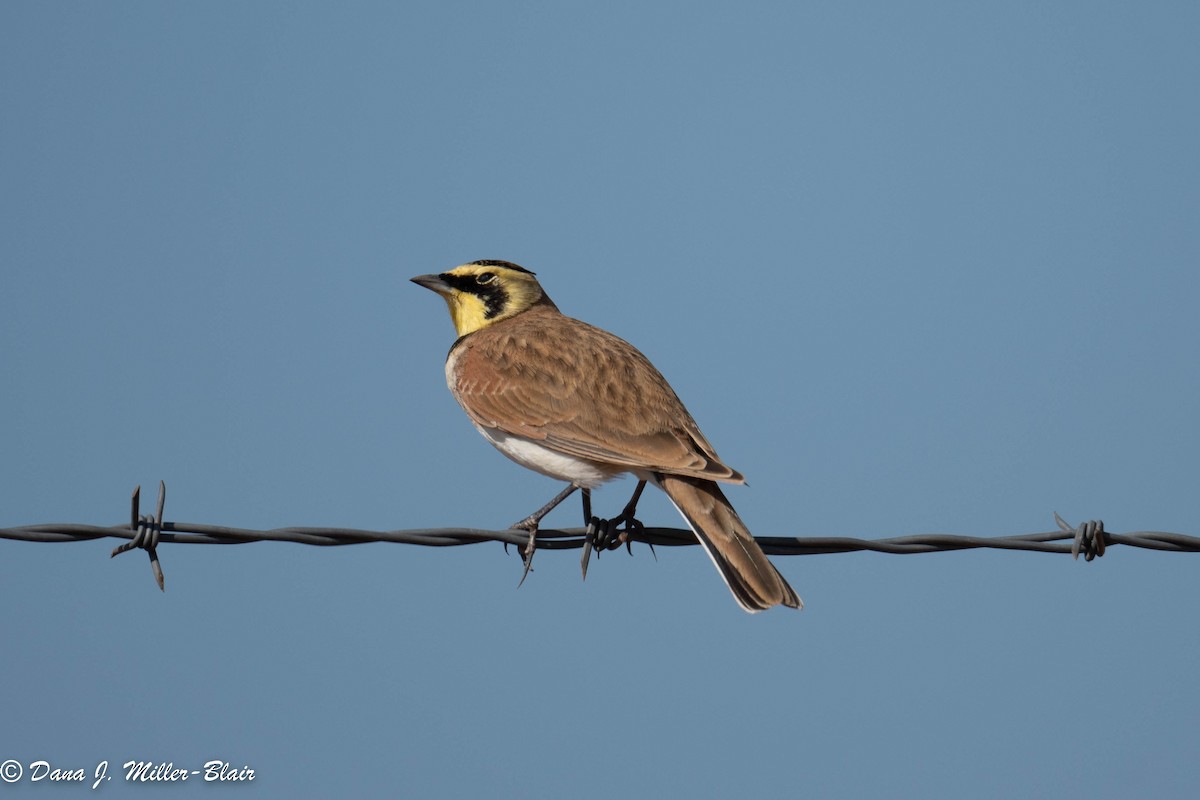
(573,538)
(146,532)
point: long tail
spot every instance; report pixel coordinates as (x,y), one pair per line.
(754,581)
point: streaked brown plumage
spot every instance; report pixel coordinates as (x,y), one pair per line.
(577,403)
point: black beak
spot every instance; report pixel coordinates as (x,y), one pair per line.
(432,282)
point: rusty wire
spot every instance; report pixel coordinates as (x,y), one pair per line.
(146,532)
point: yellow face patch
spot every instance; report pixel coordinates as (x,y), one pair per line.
(466,311)
(483,293)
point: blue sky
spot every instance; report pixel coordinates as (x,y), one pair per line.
(925,267)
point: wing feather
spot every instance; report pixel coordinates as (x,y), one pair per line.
(582,391)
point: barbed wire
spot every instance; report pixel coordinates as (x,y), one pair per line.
(146,532)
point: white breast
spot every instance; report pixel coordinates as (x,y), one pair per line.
(539,458)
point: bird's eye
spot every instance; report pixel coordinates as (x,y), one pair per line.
(484,278)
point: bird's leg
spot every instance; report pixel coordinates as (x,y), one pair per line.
(602,533)
(628,516)
(531,523)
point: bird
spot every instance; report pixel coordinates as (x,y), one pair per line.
(579,404)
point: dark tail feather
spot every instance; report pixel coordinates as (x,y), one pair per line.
(753,579)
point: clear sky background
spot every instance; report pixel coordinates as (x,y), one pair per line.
(921,267)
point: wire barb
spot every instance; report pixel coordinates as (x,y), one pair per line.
(146,531)
(1089,538)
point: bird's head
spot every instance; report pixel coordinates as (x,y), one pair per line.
(484,292)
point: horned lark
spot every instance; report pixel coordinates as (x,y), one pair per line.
(578,404)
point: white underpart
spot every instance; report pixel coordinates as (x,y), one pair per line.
(539,458)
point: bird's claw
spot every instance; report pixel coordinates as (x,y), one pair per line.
(527,551)
(607,534)
(531,523)
(633,526)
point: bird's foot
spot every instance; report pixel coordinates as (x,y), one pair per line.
(531,523)
(528,524)
(607,534)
